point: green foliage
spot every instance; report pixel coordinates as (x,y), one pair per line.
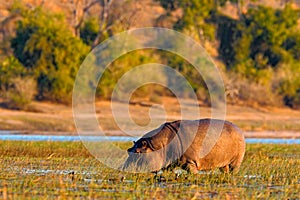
(119,67)
(292,45)
(261,47)
(16,85)
(89,31)
(50,52)
(195,20)
(288,83)
(10,68)
(263,34)
(196,17)
(189,72)
(266,46)
(227,34)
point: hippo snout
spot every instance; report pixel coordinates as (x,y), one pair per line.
(131,150)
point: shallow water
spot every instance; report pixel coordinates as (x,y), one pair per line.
(273,140)
(9,135)
(64,138)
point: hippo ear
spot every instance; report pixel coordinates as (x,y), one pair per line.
(134,142)
(144,143)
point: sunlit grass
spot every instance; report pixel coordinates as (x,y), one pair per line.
(67,170)
(275,125)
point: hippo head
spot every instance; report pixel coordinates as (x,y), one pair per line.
(141,146)
(154,150)
(142,157)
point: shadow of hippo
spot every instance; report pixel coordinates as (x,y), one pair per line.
(192,145)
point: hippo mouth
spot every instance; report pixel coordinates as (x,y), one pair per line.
(142,162)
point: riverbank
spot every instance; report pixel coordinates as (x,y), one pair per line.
(48,118)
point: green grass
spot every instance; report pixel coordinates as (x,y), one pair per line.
(270,125)
(43,170)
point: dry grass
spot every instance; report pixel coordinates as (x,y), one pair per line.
(46,116)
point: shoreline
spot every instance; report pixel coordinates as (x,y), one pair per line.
(247,134)
(57,119)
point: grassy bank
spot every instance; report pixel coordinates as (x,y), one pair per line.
(42,170)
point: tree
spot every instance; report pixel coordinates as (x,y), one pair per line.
(49,51)
(79,9)
(196,17)
(89,31)
(267,51)
(115,16)
(263,33)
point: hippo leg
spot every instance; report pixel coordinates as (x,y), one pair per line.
(225,169)
(190,167)
(171,167)
(235,165)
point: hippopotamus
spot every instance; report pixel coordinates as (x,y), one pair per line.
(193,145)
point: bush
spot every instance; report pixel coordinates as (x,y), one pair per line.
(287,83)
(10,68)
(21,93)
(293,101)
(246,92)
